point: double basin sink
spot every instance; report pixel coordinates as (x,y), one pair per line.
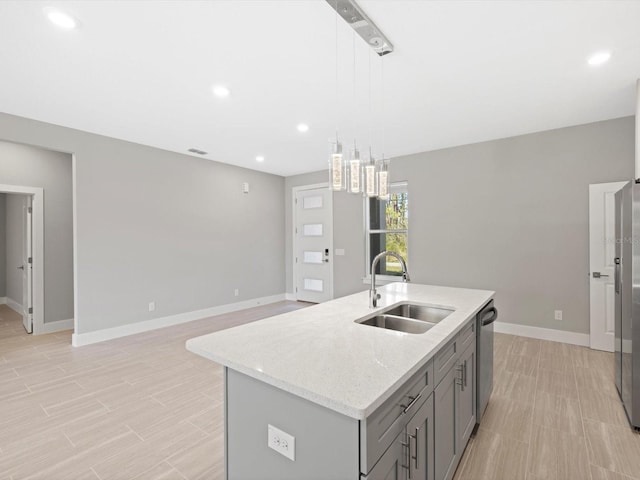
(407,317)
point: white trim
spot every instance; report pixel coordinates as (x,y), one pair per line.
(80,339)
(3,300)
(15,306)
(581,339)
(38,251)
(290,296)
(57,326)
(74,208)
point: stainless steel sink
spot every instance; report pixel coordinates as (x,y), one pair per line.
(419,312)
(400,324)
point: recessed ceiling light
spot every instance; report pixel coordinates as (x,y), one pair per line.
(599,58)
(259,158)
(303,127)
(221,91)
(61,19)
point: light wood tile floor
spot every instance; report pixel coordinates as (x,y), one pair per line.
(142,407)
(554,414)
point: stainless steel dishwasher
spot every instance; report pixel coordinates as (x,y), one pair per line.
(484,357)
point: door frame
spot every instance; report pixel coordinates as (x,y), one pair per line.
(596,343)
(294,243)
(37,235)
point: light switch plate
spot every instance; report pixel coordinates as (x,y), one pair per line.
(281,442)
(339,251)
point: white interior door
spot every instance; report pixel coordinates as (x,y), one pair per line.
(313,262)
(602,240)
(27,265)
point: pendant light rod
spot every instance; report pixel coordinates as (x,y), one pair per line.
(355,16)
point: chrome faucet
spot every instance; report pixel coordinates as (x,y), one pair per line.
(373,294)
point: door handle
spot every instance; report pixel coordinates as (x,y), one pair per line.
(407,445)
(21,267)
(617,275)
(599,275)
(417,435)
(464,374)
(460,369)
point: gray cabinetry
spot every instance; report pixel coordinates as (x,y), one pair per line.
(389,420)
(445,408)
(418,433)
(391,465)
(467,393)
(454,402)
(420,444)
(410,456)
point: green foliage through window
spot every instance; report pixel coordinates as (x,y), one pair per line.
(388,230)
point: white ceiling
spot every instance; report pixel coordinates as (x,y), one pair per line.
(462,72)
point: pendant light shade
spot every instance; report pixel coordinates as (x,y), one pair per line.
(383,180)
(370,177)
(337,177)
(355,181)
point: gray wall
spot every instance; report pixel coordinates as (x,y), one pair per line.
(509,215)
(14,246)
(159,226)
(348,270)
(35,167)
(3,246)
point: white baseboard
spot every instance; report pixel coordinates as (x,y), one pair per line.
(540,333)
(3,300)
(290,296)
(80,339)
(13,305)
(57,326)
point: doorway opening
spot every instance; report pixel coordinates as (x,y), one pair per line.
(23,228)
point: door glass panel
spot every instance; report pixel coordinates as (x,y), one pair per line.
(312,230)
(312,257)
(313,284)
(312,202)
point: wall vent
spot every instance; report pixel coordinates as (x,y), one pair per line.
(195,150)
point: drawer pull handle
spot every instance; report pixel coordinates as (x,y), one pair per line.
(411,404)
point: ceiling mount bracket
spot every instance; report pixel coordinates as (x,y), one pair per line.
(355,17)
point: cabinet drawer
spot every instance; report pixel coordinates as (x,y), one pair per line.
(467,335)
(380,428)
(445,359)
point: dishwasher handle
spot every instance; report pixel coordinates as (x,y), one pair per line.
(489,316)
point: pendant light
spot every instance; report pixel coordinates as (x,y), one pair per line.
(337,170)
(367,176)
(383,165)
(354,171)
(383,179)
(370,177)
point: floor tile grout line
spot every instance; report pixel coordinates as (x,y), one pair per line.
(533,409)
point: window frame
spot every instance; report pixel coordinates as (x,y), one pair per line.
(395,187)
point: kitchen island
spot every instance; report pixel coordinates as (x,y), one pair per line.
(335,399)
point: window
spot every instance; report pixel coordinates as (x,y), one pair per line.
(387,228)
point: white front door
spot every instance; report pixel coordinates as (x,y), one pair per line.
(602,249)
(27,266)
(313,245)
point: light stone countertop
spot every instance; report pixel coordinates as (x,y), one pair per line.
(320,354)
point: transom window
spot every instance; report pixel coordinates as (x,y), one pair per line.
(387,228)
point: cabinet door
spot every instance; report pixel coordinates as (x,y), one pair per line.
(392,465)
(445,401)
(420,436)
(467,395)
